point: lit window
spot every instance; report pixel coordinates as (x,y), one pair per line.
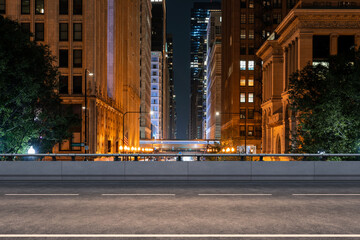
(251,18)
(242,113)
(243,34)
(39,7)
(251,82)
(242,65)
(251,97)
(242,81)
(242,97)
(251,3)
(251,65)
(251,34)
(243,19)
(251,131)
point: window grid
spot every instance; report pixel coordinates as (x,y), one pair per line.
(251,97)
(77,58)
(25,7)
(242,97)
(64,32)
(39,7)
(77,32)
(2,6)
(63,7)
(39,32)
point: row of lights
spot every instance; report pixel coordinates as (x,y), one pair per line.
(224,150)
(228,150)
(135,149)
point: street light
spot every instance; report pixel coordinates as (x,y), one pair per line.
(218,114)
(87,72)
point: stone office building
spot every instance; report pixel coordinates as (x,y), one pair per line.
(246,24)
(97,40)
(310,33)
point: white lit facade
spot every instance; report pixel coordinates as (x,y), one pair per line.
(156,94)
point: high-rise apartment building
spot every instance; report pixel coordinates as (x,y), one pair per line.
(246,24)
(172,95)
(145,68)
(213,76)
(158,45)
(199,20)
(99,37)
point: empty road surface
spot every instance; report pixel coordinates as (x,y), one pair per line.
(179,210)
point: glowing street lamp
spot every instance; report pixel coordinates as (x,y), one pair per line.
(31,150)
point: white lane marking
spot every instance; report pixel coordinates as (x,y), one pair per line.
(326,194)
(235,194)
(136,194)
(179,235)
(40,194)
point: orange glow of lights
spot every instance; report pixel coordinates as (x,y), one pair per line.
(228,150)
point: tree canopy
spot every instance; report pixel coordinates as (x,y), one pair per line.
(30,107)
(326,99)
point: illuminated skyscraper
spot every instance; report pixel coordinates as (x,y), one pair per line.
(172,95)
(199,20)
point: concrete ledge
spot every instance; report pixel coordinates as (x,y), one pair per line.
(180,171)
(156,169)
(93,168)
(30,169)
(337,168)
(283,169)
(220,168)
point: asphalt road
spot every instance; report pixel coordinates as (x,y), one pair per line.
(178,210)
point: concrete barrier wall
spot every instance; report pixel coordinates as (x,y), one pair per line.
(227,170)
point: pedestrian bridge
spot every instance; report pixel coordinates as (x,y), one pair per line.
(178,146)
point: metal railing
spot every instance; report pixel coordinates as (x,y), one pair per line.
(177,156)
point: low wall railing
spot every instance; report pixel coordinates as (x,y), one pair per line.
(179,157)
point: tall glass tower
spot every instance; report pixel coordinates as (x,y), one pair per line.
(199,20)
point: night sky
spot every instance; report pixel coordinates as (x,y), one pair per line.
(178,23)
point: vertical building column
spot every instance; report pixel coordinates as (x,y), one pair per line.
(277,75)
(285,69)
(270,81)
(357,41)
(264,84)
(306,46)
(296,55)
(268,138)
(333,44)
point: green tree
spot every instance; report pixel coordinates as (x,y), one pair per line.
(30,108)
(327,102)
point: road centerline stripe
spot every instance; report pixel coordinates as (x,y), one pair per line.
(41,194)
(235,194)
(179,235)
(136,194)
(326,194)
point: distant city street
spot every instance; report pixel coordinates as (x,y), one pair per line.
(178,210)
